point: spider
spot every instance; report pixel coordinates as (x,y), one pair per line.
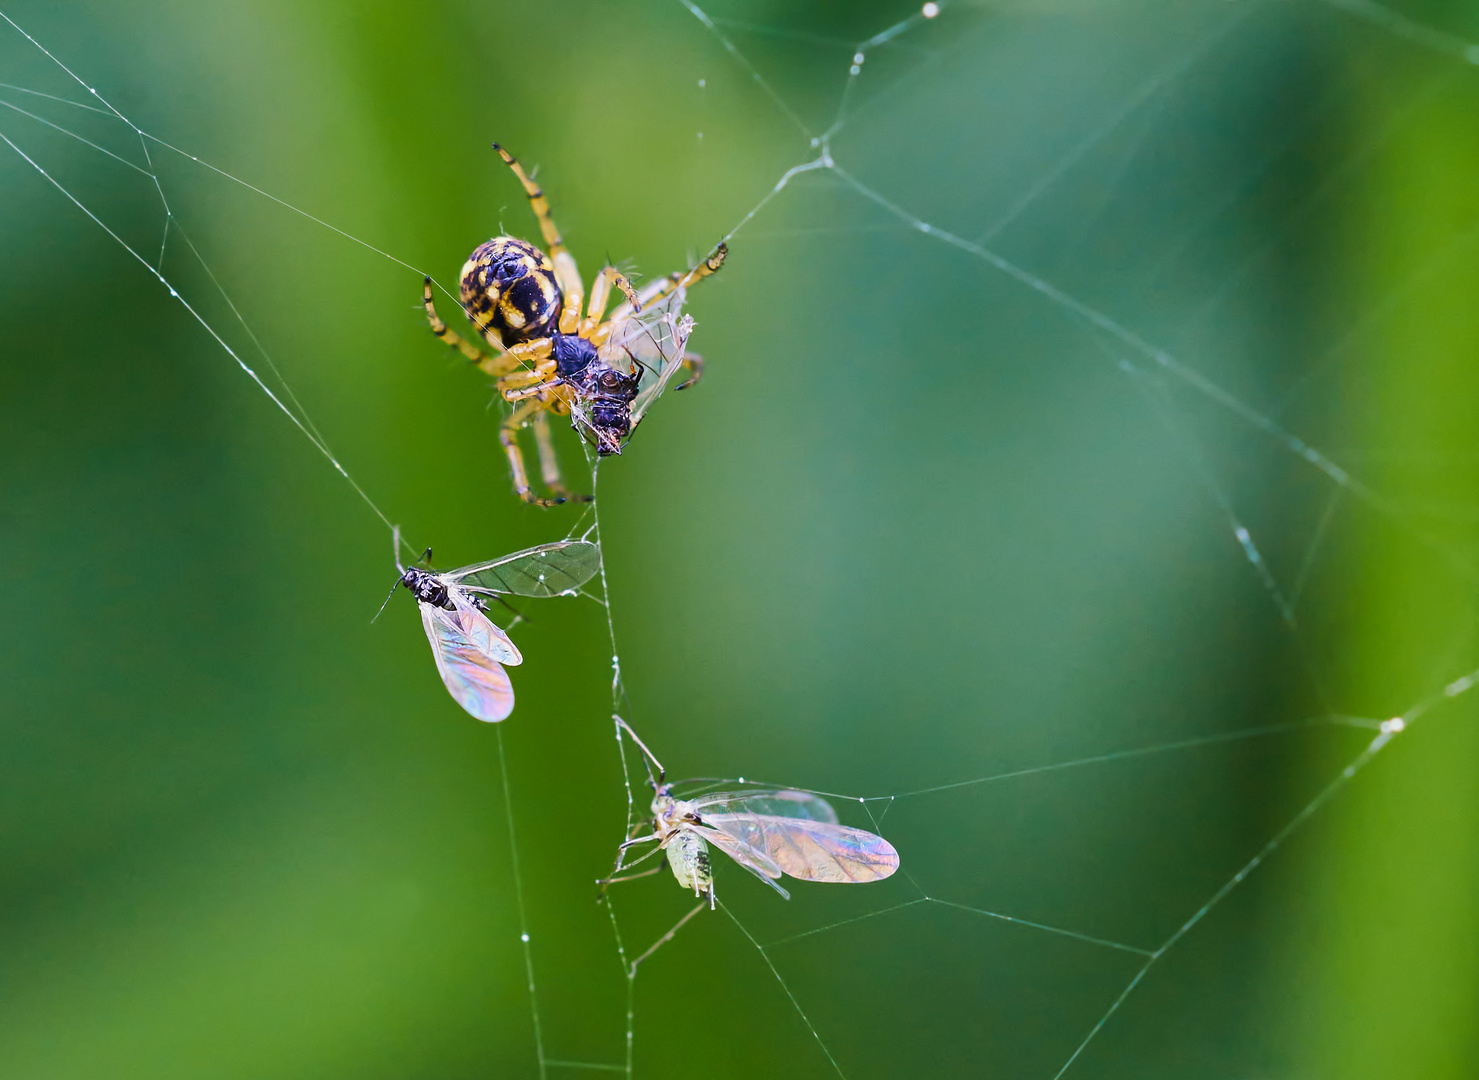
(526,305)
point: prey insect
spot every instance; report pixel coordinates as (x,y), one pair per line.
(603,372)
(770,832)
(471,650)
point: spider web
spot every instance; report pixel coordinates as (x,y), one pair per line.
(1020,937)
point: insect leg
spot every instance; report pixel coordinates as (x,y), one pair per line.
(660,942)
(631,877)
(641,840)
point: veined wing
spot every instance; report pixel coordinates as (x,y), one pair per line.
(655,338)
(546,570)
(752,859)
(475,679)
(811,850)
(475,629)
(786,803)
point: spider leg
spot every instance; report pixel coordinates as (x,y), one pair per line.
(508,435)
(567,276)
(654,291)
(694,363)
(498,363)
(549,465)
(541,372)
(526,355)
(450,336)
(601,293)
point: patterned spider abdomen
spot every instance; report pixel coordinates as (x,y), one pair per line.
(509,286)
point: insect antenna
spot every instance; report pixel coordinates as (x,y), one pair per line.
(388,595)
(649,756)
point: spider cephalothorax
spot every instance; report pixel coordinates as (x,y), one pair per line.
(547,355)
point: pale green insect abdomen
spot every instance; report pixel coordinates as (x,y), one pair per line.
(688,855)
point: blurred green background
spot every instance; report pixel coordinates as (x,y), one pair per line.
(918,525)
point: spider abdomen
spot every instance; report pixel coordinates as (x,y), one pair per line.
(508,286)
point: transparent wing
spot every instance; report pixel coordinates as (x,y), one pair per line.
(654,339)
(478,630)
(546,570)
(786,804)
(810,850)
(752,859)
(475,680)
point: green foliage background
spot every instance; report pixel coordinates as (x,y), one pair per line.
(916,526)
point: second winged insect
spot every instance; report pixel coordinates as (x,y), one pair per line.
(768,832)
(470,650)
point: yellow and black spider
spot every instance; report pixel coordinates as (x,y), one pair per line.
(526,305)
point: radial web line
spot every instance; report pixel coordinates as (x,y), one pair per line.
(739,57)
(1144,751)
(1398,25)
(1389,730)
(1159,401)
(53,97)
(303,422)
(1282,728)
(1379,311)
(1144,93)
(513,852)
(557,1063)
(208,328)
(1401,26)
(1069,302)
(1311,550)
(774,971)
(846,922)
(1169,363)
(1087,938)
(1278,233)
(74,135)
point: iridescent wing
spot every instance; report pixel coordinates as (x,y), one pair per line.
(787,803)
(472,676)
(546,570)
(479,631)
(803,847)
(754,860)
(653,339)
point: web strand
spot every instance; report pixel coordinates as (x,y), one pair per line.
(1147,375)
